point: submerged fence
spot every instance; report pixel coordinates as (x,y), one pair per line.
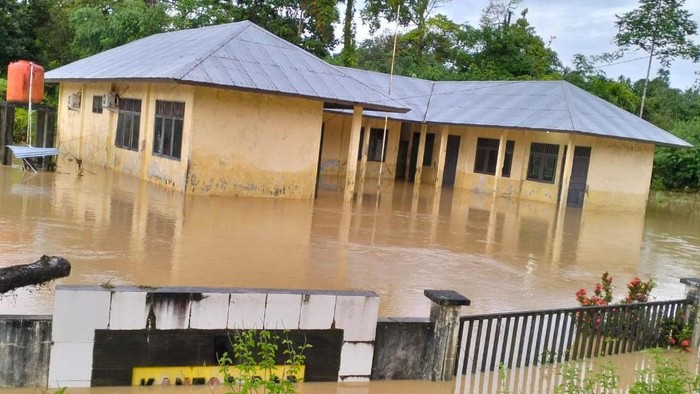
(522,339)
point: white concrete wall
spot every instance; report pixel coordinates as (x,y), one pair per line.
(80,310)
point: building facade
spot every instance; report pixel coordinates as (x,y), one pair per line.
(243,113)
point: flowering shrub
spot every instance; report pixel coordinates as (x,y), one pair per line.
(602,294)
(638,291)
(674,331)
(677,332)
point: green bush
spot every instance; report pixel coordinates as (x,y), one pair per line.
(679,169)
(255,353)
(667,376)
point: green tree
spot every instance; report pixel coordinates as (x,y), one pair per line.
(347,55)
(16,33)
(679,169)
(410,13)
(110,24)
(661,28)
(589,77)
(434,62)
(509,51)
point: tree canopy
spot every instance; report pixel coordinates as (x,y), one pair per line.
(662,29)
(503,46)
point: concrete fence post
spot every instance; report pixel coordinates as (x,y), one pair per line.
(692,293)
(444,314)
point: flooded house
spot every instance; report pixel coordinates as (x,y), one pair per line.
(221,110)
(545,141)
(233,110)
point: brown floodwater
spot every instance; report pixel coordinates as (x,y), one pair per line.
(503,254)
(628,369)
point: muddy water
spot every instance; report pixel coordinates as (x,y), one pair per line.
(535,380)
(503,254)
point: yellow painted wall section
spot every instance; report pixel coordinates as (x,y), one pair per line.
(254,145)
(164,170)
(336,133)
(125,160)
(619,174)
(90,136)
(430,171)
(69,124)
(335,146)
(484,183)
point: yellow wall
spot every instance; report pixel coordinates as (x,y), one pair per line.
(248,144)
(335,146)
(255,145)
(618,175)
(90,136)
(244,144)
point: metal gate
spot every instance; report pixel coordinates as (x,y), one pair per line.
(521,339)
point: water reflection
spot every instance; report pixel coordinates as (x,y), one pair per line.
(542,379)
(503,254)
(546,378)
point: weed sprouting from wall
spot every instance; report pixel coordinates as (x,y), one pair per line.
(254,368)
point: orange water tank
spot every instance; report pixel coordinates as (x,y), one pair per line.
(18,82)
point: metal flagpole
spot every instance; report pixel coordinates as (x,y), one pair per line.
(29,115)
(386,114)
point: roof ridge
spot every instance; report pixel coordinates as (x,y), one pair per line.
(330,66)
(430,98)
(188,69)
(575,124)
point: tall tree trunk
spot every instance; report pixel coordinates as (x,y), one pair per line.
(646,81)
(347,55)
(348,36)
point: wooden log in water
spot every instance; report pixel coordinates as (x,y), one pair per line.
(47,268)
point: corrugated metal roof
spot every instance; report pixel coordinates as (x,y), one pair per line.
(538,105)
(235,55)
(412,92)
(245,56)
(25,152)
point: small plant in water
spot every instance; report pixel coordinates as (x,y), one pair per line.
(255,353)
(605,380)
(667,377)
(502,381)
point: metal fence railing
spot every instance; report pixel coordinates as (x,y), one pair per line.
(521,339)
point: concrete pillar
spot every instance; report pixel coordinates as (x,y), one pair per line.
(441,153)
(363,154)
(420,154)
(444,314)
(500,160)
(692,293)
(351,168)
(568,164)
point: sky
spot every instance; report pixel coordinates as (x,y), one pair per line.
(579,26)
